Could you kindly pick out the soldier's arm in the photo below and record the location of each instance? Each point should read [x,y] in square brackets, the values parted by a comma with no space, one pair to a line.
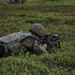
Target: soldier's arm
[31,44]
[39,49]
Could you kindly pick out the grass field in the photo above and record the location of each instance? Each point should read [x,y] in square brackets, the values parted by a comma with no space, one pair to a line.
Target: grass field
[57,17]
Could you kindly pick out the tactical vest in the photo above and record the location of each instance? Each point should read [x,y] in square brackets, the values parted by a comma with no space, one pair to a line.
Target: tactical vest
[12,42]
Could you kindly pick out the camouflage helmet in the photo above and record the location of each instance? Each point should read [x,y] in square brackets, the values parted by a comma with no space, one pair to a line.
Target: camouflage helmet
[38,29]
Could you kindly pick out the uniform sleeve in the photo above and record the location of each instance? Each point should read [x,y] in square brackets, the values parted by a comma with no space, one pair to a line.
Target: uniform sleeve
[27,44]
[33,45]
[38,49]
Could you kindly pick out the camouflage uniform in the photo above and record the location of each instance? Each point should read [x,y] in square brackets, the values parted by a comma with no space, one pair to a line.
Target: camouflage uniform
[21,42]
[13,1]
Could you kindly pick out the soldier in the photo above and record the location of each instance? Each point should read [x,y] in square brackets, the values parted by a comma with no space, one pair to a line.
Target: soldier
[22,42]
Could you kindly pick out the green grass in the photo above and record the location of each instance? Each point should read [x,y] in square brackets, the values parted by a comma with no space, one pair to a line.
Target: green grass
[57,17]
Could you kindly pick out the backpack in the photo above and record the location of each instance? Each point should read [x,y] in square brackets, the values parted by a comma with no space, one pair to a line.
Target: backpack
[12,42]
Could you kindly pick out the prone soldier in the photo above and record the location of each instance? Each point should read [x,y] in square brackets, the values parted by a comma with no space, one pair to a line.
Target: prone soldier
[22,42]
[34,41]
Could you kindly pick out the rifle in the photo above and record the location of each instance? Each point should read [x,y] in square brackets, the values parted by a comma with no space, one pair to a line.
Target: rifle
[52,41]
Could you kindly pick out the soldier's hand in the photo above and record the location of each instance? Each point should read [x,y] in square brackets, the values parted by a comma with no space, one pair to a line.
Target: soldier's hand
[44,46]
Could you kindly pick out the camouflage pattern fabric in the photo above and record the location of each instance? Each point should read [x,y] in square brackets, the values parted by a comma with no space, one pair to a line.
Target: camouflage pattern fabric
[11,43]
[33,45]
[38,29]
[20,42]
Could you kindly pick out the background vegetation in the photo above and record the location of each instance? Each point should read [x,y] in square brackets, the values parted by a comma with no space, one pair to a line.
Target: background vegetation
[58,17]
